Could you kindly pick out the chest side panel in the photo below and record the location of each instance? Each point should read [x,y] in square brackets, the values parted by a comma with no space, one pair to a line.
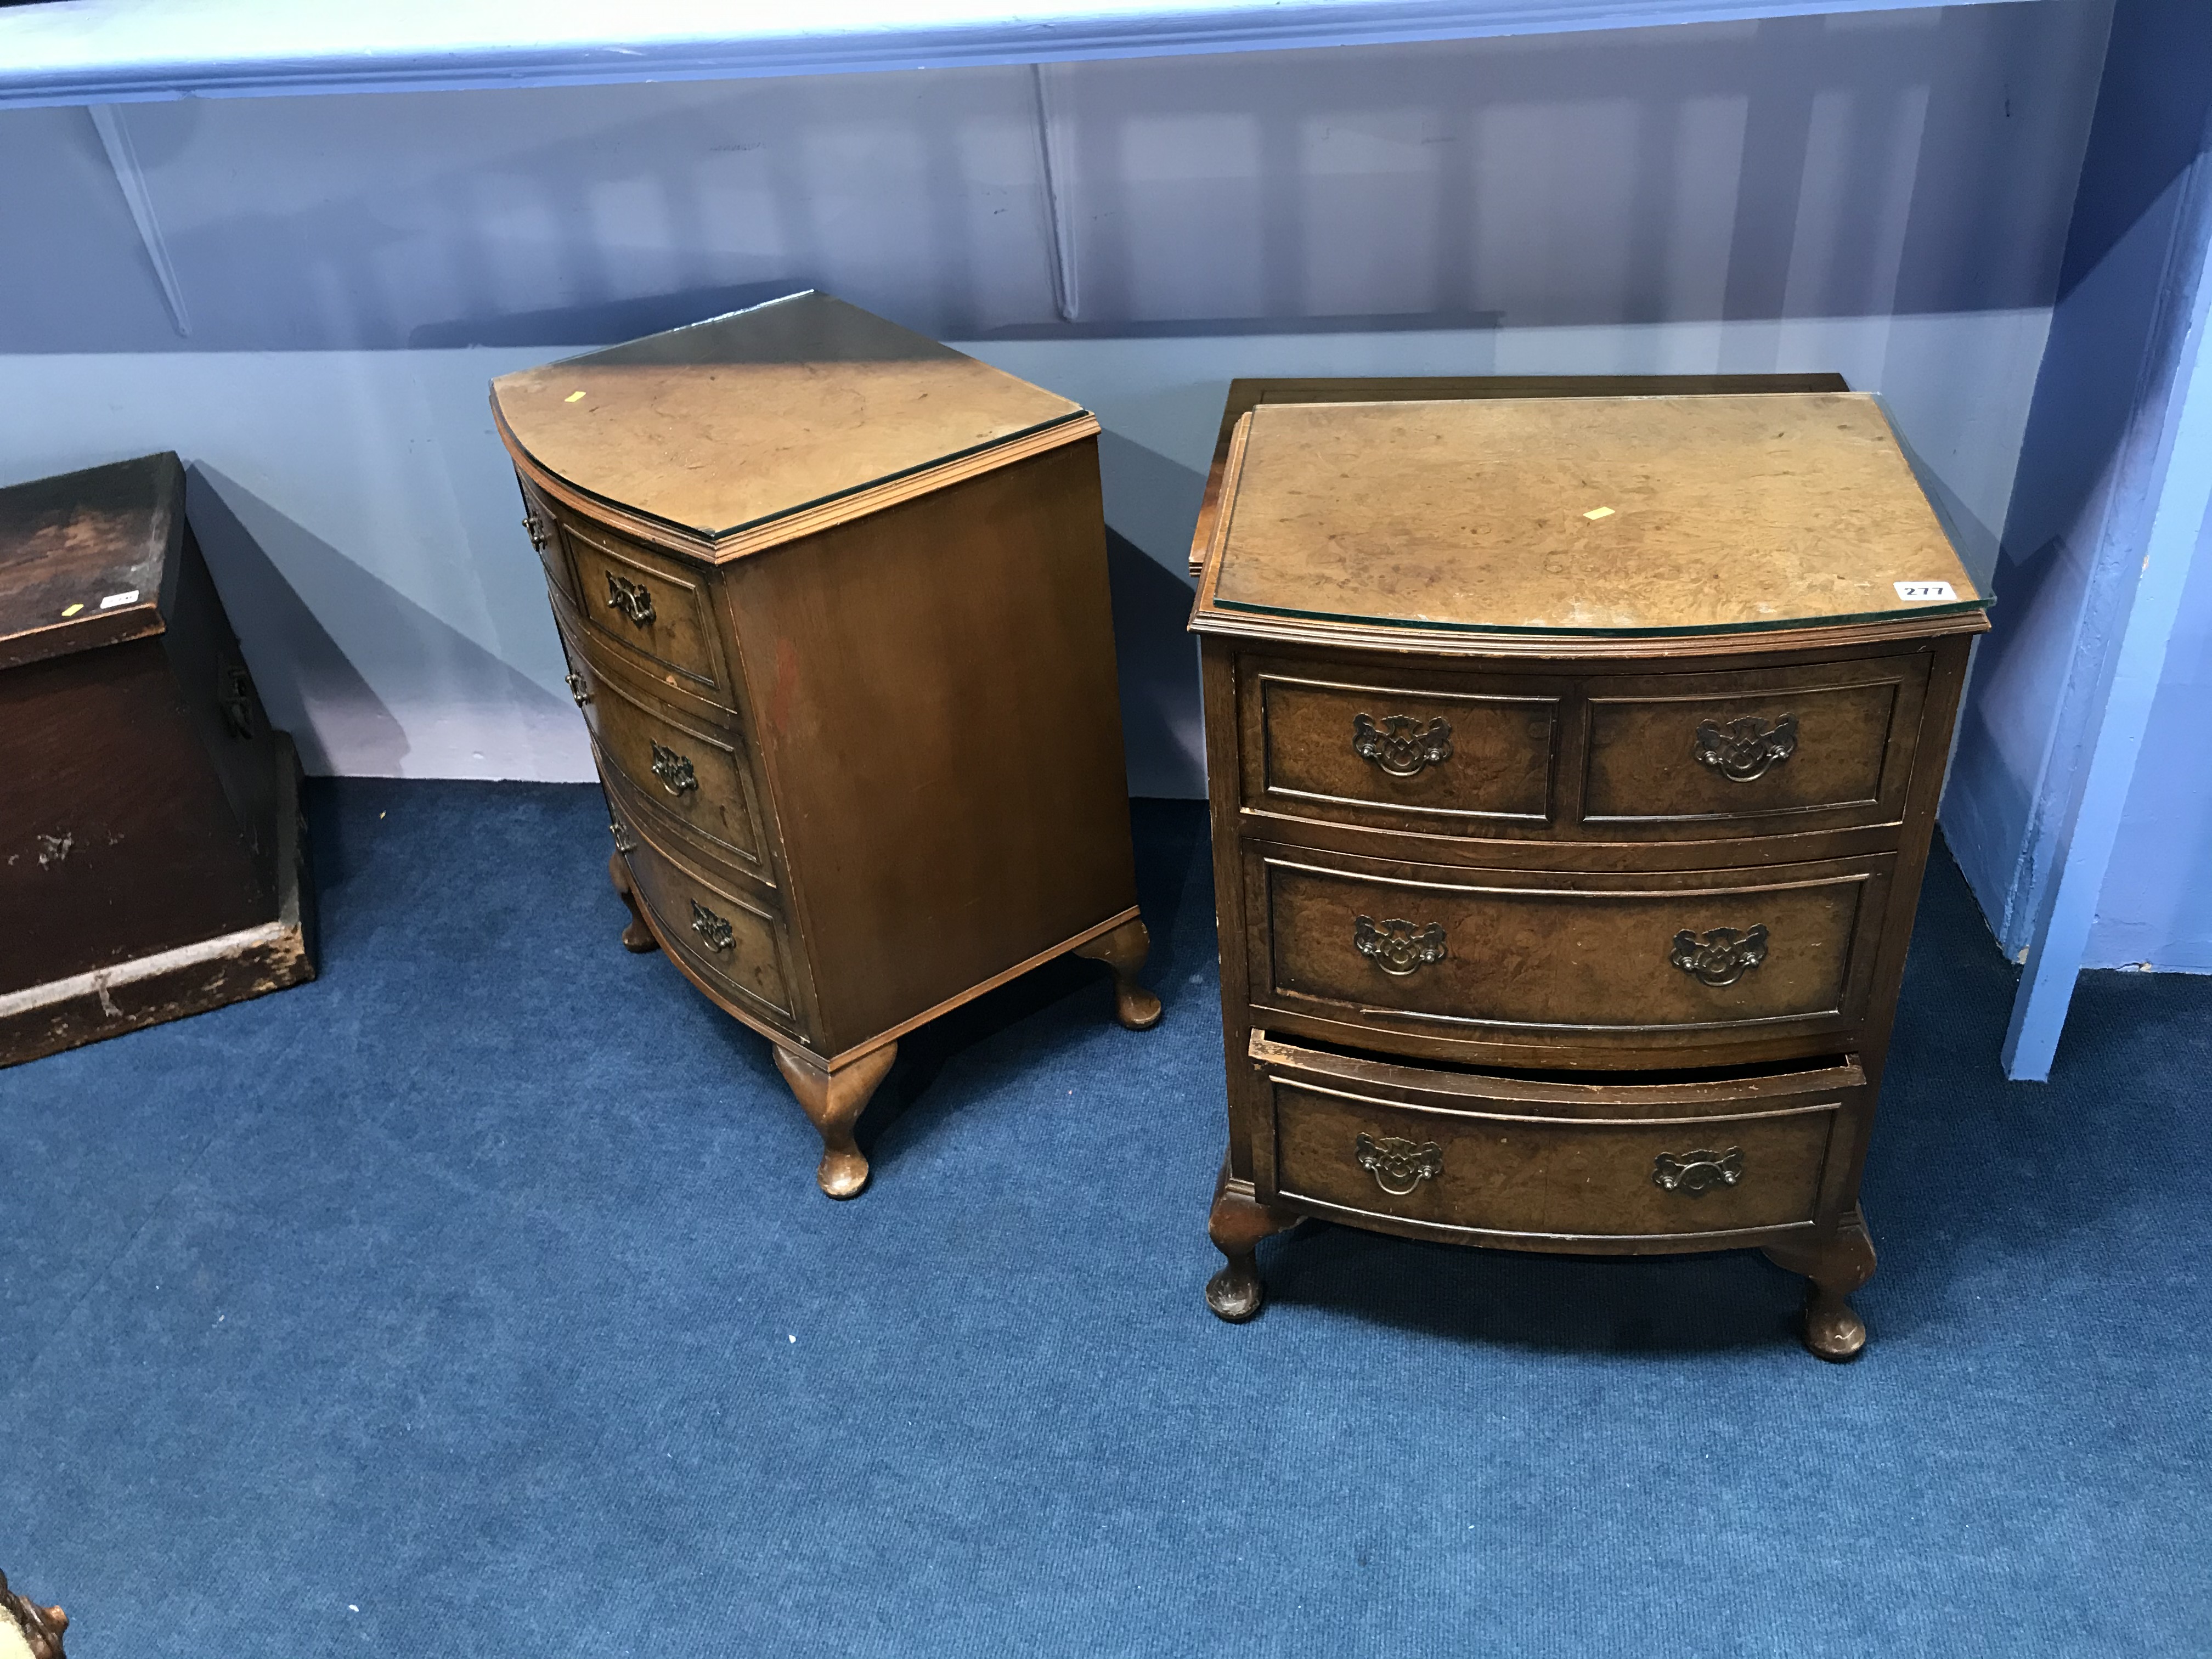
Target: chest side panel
[935,691]
[116,839]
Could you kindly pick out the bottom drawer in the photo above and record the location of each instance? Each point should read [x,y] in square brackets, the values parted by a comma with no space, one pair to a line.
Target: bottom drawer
[734,944]
[1448,1153]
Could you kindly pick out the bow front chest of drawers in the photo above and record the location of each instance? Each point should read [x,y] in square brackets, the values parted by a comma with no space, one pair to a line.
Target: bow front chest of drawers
[1573,763]
[834,601]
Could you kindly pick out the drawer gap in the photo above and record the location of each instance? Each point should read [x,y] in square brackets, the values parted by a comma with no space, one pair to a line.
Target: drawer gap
[1586,1075]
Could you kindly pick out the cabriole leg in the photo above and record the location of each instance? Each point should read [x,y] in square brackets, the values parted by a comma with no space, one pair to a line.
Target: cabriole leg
[1124,950]
[637,936]
[1833,1267]
[1238,1224]
[833,1102]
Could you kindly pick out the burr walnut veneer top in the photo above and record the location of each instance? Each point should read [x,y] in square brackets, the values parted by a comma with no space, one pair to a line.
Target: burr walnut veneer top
[730,424]
[1577,516]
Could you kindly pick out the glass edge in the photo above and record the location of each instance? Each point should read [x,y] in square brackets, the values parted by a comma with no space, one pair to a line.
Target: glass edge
[1520,630]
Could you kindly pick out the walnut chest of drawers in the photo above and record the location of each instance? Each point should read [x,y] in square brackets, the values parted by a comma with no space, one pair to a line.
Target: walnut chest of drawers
[1573,764]
[833,601]
[151,860]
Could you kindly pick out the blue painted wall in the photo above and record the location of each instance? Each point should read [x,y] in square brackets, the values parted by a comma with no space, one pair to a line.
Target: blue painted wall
[2085,459]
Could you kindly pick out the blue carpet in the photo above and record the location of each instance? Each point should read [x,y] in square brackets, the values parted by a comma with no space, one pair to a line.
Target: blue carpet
[476,1300]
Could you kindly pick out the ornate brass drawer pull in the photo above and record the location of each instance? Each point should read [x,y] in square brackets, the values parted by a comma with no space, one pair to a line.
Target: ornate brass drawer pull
[1397,946]
[1720,956]
[674,770]
[624,842]
[630,597]
[576,689]
[1696,1174]
[711,928]
[1744,749]
[1402,745]
[534,527]
[1398,1166]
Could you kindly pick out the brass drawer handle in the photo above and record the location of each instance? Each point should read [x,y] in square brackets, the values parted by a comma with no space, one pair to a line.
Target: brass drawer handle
[534,527]
[1397,947]
[1745,748]
[711,928]
[674,770]
[1722,956]
[1402,745]
[630,599]
[1398,1166]
[625,842]
[1696,1174]
[575,683]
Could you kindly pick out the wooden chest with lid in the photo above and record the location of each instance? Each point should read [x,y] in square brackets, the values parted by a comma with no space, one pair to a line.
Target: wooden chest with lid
[152,863]
[1573,763]
[833,601]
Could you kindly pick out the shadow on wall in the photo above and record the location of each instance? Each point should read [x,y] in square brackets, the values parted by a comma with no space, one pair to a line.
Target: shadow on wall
[1156,661]
[279,580]
[2069,549]
[305,680]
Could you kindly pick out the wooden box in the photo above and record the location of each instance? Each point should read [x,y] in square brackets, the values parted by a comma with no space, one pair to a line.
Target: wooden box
[151,856]
[1573,763]
[833,601]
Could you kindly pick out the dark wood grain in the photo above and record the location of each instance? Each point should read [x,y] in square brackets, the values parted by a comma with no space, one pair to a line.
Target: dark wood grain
[1538,875]
[151,862]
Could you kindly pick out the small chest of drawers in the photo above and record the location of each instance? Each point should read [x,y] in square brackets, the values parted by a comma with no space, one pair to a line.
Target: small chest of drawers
[834,602]
[1573,763]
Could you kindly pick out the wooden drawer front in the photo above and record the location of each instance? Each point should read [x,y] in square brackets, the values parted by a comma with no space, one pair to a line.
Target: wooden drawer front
[650,606]
[703,780]
[1437,949]
[737,946]
[1488,1167]
[1753,753]
[1441,761]
[540,524]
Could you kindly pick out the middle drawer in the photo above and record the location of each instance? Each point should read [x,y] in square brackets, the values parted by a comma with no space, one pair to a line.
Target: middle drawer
[701,778]
[1676,960]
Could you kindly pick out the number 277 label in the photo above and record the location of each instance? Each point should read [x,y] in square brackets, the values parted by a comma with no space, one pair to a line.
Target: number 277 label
[1924,591]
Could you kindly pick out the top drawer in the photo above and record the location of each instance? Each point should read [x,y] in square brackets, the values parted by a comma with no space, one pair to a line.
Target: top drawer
[1439,751]
[1752,752]
[653,607]
[544,529]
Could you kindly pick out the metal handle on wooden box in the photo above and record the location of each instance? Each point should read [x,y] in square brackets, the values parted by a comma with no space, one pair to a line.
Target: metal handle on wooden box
[1744,749]
[1397,946]
[1398,1166]
[534,527]
[630,599]
[1720,955]
[575,683]
[1401,745]
[1695,1174]
[711,927]
[674,770]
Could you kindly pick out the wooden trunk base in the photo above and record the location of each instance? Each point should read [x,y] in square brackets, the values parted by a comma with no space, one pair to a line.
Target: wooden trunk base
[190,979]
